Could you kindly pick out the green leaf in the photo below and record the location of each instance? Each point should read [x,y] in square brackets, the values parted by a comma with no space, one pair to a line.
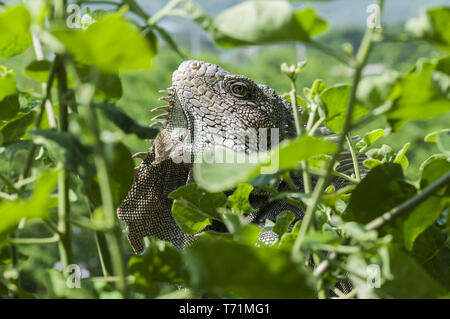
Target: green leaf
[193,208]
[408,227]
[239,228]
[374,90]
[126,123]
[433,26]
[400,158]
[110,44]
[419,219]
[122,172]
[431,252]
[216,176]
[257,22]
[65,147]
[443,141]
[419,94]
[410,279]
[238,201]
[15,37]
[35,207]
[429,244]
[432,169]
[16,127]
[336,99]
[9,107]
[284,220]
[38,70]
[160,263]
[7,82]
[370,138]
[108,86]
[432,137]
[246,271]
[381,190]
[189,219]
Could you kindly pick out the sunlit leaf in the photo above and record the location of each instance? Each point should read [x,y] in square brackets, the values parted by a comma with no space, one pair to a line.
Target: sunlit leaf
[193,208]
[256,22]
[219,176]
[15,37]
[7,82]
[417,95]
[432,25]
[336,102]
[110,44]
[35,207]
[284,220]
[238,201]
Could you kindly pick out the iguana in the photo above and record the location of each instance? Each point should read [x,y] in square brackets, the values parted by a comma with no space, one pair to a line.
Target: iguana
[206,105]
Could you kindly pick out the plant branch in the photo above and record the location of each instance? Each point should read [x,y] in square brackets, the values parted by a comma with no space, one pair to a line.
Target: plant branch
[331,52]
[354,158]
[63,175]
[400,210]
[86,92]
[361,60]
[34,241]
[40,56]
[408,205]
[10,185]
[37,122]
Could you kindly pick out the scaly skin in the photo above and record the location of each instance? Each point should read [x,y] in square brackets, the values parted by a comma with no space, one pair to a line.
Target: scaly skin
[208,107]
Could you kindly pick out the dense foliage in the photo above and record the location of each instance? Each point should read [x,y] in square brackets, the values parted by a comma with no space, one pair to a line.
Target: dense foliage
[72,107]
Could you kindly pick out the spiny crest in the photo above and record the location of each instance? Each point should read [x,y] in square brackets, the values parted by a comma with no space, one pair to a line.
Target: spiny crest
[161,119]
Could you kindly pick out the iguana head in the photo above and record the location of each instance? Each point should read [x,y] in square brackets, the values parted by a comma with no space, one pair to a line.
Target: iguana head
[209,106]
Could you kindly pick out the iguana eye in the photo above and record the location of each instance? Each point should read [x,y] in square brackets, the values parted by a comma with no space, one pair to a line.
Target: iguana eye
[239,89]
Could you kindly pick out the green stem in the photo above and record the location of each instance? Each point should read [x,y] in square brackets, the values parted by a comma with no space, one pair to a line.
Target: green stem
[37,121]
[349,178]
[320,283]
[136,9]
[400,210]
[322,183]
[102,248]
[34,241]
[330,52]
[354,158]
[10,185]
[86,92]
[64,244]
[163,12]
[98,2]
[296,113]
